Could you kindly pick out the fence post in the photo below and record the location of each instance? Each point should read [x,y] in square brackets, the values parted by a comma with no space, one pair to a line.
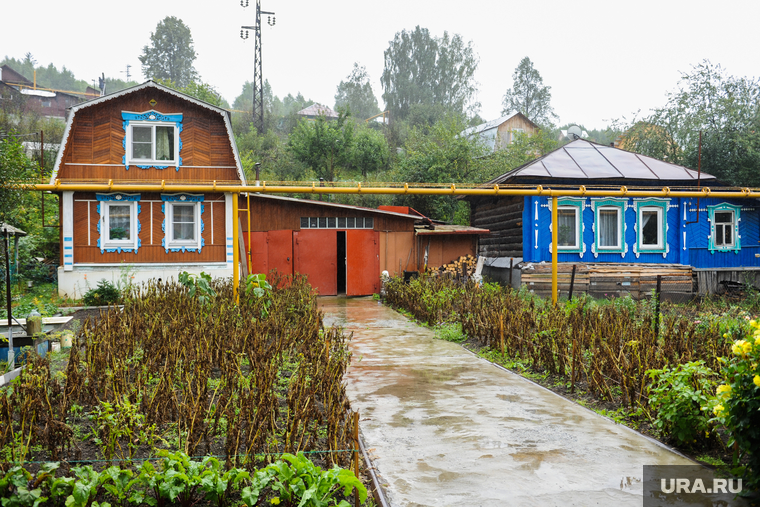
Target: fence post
[510,273]
[356,455]
[572,282]
[657,306]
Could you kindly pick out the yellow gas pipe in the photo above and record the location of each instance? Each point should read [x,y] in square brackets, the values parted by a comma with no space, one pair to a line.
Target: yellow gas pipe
[496,190]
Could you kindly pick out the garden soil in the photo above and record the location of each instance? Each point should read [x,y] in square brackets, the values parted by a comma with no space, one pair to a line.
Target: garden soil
[446,428]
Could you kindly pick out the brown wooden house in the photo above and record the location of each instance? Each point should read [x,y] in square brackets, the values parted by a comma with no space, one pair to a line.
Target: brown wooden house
[147,133]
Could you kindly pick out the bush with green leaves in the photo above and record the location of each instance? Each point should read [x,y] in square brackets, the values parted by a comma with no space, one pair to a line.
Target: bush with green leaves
[737,404]
[199,286]
[677,396]
[105,293]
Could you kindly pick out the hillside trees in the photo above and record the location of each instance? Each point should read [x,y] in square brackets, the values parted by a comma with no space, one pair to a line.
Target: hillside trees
[170,54]
[727,112]
[355,93]
[423,69]
[529,95]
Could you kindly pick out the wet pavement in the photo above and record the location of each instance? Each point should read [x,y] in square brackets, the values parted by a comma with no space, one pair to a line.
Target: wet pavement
[446,428]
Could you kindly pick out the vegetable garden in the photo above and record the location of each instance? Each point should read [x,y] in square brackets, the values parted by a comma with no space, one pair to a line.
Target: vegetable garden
[660,374]
[209,385]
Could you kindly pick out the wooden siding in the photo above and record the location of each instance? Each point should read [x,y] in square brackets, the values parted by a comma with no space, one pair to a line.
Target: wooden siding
[273,214]
[504,218]
[397,252]
[86,233]
[445,249]
[97,135]
[505,132]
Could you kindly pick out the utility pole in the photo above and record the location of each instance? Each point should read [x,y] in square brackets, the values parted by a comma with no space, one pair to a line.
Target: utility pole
[258,81]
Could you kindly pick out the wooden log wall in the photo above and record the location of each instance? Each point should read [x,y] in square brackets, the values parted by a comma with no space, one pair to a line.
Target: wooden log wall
[503,217]
[611,280]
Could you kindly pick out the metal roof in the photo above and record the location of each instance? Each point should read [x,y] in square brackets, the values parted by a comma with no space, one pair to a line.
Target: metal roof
[581,159]
[491,124]
[317,110]
[446,229]
[333,205]
[13,231]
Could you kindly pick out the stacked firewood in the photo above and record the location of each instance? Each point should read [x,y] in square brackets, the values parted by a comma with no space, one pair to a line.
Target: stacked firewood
[463,267]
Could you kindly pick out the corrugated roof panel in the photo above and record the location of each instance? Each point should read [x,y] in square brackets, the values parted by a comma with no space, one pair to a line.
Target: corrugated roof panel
[592,162]
[561,165]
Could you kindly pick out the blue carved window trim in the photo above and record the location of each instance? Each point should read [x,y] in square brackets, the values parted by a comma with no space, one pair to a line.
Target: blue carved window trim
[151,118]
[661,205]
[168,201]
[578,205]
[736,210]
[104,201]
[620,205]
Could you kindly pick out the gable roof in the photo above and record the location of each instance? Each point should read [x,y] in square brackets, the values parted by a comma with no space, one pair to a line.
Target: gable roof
[380,211]
[494,124]
[148,84]
[317,110]
[581,159]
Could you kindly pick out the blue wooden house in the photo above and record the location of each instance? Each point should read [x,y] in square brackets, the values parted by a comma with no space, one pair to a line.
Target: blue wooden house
[713,239]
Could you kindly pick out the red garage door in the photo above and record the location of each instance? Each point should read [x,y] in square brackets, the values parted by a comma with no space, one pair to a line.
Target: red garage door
[362,263]
[280,252]
[316,254]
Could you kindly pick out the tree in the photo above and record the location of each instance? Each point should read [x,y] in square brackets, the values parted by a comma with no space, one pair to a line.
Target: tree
[356,94]
[199,90]
[420,69]
[438,155]
[529,96]
[170,54]
[370,152]
[727,112]
[14,167]
[325,146]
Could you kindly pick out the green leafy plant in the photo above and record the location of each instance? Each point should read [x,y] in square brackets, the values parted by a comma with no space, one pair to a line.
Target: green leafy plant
[737,403]
[105,293]
[256,286]
[198,285]
[295,480]
[121,421]
[677,396]
[217,484]
[450,332]
[15,490]
[86,488]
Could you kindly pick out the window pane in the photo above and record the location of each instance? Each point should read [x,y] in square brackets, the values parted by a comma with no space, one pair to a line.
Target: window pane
[141,151]
[313,222]
[184,232]
[304,222]
[119,222]
[141,134]
[650,228]
[341,222]
[566,227]
[183,217]
[164,143]
[184,213]
[728,234]
[331,222]
[608,228]
[368,222]
[350,222]
[724,217]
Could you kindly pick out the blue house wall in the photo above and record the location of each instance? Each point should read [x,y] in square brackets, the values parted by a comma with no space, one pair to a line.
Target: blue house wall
[692,249]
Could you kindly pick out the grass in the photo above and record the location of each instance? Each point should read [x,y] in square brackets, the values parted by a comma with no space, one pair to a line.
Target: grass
[41,297]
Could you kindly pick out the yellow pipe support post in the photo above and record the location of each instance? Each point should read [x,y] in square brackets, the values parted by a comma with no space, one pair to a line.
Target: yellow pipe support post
[554,250]
[250,246]
[235,249]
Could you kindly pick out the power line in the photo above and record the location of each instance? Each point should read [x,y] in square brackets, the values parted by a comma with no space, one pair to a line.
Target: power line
[257,108]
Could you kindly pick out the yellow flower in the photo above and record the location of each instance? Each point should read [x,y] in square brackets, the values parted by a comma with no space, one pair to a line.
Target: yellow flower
[753,323]
[738,347]
[723,389]
[275,501]
[746,347]
[725,335]
[718,410]
[756,380]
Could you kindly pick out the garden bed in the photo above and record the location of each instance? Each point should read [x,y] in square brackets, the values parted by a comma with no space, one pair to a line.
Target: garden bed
[188,371]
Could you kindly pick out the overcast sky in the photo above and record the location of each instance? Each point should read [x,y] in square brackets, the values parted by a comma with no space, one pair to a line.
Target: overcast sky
[602,59]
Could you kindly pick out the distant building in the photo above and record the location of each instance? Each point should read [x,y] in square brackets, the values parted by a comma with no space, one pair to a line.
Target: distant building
[315,110]
[46,102]
[499,133]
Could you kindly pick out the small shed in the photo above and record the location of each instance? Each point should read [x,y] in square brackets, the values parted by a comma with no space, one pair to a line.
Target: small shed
[499,133]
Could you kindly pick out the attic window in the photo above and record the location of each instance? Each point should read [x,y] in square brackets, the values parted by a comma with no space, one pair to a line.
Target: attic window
[152,139]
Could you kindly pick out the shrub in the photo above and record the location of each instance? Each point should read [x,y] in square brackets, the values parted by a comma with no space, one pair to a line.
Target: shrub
[678,395]
[105,293]
[737,402]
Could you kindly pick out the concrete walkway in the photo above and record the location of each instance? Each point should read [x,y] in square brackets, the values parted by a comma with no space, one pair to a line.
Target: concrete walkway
[446,428]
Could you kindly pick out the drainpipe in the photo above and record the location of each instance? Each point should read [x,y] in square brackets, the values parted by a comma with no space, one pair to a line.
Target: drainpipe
[699,178]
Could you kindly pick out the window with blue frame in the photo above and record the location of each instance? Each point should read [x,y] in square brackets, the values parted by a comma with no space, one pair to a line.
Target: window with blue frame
[651,226]
[609,226]
[152,139]
[724,228]
[118,225]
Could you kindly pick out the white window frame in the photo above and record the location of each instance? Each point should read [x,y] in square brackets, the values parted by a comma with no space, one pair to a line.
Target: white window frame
[131,160]
[620,232]
[578,225]
[723,225]
[105,242]
[660,245]
[179,243]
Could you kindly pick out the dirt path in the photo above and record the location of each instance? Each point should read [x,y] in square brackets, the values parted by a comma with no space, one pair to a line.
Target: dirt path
[446,428]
